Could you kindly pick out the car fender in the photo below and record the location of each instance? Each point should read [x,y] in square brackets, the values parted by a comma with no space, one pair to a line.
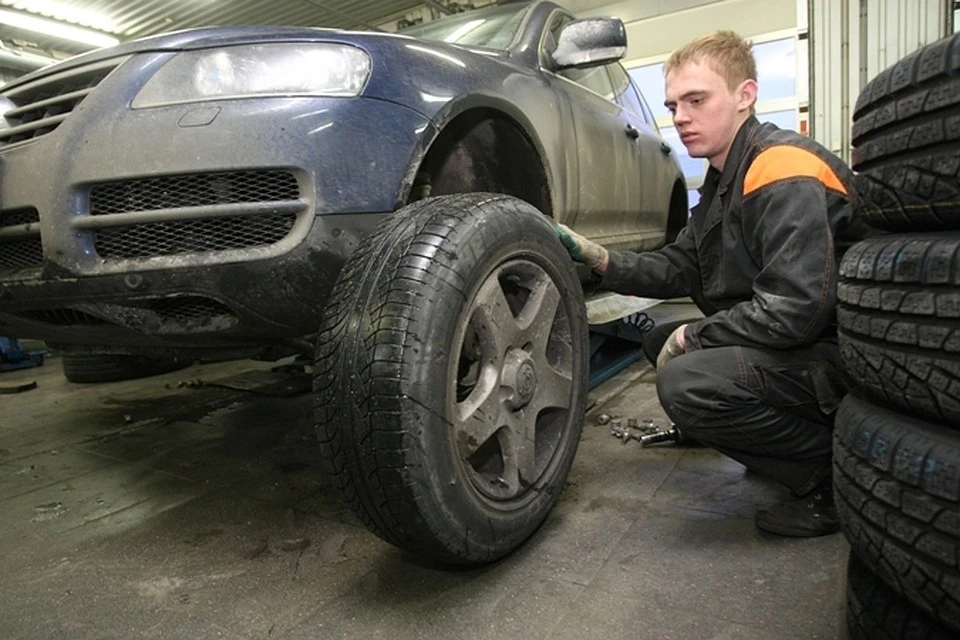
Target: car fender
[470,102]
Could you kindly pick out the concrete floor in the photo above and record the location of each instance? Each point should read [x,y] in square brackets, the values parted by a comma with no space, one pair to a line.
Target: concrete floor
[154,509]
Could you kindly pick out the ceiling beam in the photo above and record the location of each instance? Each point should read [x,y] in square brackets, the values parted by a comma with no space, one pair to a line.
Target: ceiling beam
[60,29]
[337,12]
[439,7]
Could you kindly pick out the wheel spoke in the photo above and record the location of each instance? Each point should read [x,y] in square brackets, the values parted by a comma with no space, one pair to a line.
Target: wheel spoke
[493,319]
[535,321]
[554,389]
[519,471]
[481,414]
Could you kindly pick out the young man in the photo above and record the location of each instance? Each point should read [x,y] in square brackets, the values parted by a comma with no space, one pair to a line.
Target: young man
[757,378]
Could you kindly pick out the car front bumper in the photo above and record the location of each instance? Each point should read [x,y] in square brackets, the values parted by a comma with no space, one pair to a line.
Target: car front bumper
[197,224]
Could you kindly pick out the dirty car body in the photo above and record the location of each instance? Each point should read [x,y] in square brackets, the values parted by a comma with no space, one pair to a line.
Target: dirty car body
[201,190]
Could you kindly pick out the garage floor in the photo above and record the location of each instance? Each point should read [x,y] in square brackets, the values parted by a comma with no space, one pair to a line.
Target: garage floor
[168,508]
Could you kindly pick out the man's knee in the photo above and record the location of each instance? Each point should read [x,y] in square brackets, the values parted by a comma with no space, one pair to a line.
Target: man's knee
[674,381]
[698,396]
[702,382]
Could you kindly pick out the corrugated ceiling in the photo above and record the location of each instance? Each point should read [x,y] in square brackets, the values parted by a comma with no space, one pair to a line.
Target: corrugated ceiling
[127,19]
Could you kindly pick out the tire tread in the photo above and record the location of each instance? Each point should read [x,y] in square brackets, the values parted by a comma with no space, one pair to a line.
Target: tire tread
[905,132]
[899,317]
[896,478]
[877,612]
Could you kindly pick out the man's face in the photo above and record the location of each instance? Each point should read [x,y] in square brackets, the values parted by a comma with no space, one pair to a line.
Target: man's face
[706,113]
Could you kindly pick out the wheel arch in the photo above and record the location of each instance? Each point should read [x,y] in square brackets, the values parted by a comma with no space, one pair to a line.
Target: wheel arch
[481,143]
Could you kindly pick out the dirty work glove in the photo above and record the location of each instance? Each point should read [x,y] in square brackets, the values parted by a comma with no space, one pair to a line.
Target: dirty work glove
[581,249]
[673,347]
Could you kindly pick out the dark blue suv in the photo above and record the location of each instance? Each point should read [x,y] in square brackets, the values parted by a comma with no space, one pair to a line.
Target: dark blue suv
[200,193]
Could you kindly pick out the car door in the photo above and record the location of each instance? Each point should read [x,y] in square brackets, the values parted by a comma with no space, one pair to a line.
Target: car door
[655,166]
[605,159]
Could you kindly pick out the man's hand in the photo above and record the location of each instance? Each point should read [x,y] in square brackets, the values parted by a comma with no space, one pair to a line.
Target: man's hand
[581,249]
[673,347]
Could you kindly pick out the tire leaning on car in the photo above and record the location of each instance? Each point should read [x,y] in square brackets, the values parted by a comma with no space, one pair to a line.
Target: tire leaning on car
[451,376]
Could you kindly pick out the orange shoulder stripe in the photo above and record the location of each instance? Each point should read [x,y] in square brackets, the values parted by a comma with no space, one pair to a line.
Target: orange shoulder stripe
[782,162]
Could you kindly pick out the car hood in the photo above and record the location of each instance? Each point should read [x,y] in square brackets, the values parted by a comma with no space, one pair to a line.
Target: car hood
[210,37]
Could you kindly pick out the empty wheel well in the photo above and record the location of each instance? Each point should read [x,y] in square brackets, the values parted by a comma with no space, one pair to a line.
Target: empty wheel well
[483,150]
[679,211]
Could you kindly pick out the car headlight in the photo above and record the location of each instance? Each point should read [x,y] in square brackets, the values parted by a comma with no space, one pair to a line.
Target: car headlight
[285,69]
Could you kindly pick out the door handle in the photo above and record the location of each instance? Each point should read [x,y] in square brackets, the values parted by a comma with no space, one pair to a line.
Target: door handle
[632,132]
[665,148]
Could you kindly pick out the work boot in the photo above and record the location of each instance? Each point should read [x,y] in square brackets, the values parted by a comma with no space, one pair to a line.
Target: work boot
[803,517]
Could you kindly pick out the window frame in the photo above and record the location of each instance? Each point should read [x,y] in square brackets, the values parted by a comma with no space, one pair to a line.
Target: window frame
[543,53]
[631,88]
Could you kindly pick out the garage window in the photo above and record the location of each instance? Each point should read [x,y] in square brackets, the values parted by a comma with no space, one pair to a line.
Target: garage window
[785,119]
[776,69]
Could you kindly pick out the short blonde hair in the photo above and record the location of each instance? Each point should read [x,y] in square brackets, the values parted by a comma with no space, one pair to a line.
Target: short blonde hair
[726,52]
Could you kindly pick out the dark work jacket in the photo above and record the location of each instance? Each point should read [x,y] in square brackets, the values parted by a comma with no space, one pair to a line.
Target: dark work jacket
[759,255]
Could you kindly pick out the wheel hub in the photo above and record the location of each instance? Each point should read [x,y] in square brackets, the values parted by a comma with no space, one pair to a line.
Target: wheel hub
[520,378]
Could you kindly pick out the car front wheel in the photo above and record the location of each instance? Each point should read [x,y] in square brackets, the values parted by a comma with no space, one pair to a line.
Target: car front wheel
[450,376]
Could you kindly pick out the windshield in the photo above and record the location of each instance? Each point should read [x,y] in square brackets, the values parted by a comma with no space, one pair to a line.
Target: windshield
[493,28]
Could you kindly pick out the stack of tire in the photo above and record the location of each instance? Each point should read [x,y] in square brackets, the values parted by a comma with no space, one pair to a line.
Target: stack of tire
[897,435]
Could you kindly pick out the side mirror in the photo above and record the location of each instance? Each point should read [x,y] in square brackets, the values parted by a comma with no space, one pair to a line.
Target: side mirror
[590,42]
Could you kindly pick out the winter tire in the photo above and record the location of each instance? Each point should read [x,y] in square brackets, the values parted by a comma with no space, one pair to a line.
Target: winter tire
[897,483]
[450,376]
[899,315]
[906,128]
[108,367]
[877,612]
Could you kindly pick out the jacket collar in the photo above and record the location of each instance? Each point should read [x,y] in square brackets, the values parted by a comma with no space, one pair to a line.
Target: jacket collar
[740,143]
[710,211]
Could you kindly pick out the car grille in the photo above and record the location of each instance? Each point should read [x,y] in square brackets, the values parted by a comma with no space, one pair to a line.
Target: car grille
[63,317]
[197,190]
[19,249]
[192,236]
[201,228]
[42,105]
[163,314]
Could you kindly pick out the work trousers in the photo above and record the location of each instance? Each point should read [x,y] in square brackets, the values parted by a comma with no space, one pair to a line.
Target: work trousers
[771,410]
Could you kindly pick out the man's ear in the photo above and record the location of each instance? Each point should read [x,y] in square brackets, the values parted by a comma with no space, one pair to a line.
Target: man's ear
[747,96]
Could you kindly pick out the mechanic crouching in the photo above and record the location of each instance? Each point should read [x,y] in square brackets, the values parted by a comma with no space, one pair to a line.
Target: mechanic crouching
[758,377]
